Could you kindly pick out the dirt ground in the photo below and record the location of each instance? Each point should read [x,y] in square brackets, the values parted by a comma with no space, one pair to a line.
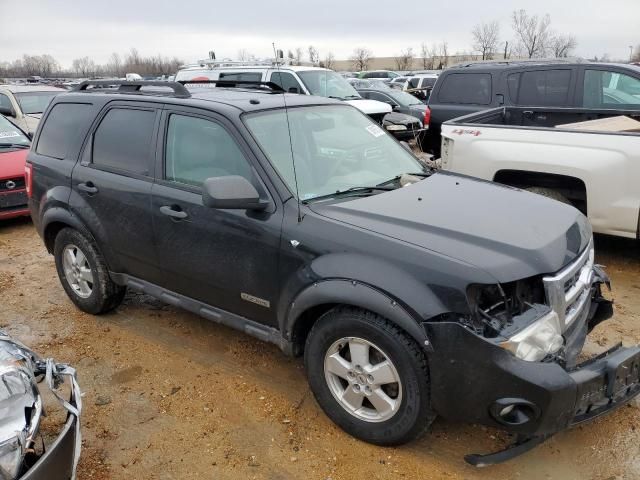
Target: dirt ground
[169,395]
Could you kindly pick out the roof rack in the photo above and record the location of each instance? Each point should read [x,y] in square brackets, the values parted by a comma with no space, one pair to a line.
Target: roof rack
[212,63]
[128,86]
[229,83]
[479,63]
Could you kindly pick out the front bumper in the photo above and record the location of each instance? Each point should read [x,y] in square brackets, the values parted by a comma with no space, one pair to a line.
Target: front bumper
[13,204]
[473,379]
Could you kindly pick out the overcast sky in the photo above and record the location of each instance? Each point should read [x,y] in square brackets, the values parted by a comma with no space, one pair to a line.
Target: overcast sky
[69,29]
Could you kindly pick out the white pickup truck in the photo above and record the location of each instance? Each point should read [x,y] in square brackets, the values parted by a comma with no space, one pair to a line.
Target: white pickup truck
[596,171]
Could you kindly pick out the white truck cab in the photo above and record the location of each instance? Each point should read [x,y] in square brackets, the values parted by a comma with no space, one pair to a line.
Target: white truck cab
[293,79]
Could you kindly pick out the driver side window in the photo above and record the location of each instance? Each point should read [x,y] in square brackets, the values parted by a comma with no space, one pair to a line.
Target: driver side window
[606,89]
[197,149]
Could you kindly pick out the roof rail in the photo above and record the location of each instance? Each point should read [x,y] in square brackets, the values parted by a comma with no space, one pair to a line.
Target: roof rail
[128,86]
[230,83]
[520,61]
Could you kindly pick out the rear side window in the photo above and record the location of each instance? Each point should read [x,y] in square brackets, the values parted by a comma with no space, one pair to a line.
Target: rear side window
[286,80]
[466,88]
[545,88]
[61,128]
[122,141]
[242,76]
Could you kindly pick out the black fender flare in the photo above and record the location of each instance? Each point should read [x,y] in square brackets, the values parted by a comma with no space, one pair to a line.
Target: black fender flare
[60,215]
[357,294]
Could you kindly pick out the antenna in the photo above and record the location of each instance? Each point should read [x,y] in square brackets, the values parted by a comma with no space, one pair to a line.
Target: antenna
[279,55]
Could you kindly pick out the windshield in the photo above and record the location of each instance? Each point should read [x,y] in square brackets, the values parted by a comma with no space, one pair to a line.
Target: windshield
[404,98]
[327,83]
[335,148]
[10,134]
[35,102]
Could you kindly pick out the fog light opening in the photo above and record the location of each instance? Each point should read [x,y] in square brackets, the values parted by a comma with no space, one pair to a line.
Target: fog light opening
[511,411]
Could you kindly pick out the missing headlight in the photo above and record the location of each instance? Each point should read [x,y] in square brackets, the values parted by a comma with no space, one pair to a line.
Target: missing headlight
[494,307]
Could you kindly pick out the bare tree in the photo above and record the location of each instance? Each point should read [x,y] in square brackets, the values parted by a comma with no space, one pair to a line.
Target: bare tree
[114,65]
[635,57]
[404,61]
[485,38]
[424,54]
[443,52]
[329,61]
[361,58]
[532,32]
[298,56]
[562,45]
[244,55]
[314,56]
[83,67]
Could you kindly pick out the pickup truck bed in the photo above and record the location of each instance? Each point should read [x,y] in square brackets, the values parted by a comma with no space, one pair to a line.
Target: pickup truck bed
[598,172]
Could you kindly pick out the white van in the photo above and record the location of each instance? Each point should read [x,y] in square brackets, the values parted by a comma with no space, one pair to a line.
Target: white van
[293,79]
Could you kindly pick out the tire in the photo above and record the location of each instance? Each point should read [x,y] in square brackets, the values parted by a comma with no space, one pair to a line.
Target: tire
[355,329]
[86,282]
[550,193]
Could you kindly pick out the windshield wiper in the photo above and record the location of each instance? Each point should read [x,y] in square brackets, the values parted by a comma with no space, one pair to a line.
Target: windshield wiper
[353,96]
[13,145]
[351,190]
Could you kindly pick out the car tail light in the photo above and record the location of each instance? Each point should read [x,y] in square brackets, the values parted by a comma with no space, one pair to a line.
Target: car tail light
[427,117]
[28,178]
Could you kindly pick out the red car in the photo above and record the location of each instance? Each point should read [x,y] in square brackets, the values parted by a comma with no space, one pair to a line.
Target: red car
[14,146]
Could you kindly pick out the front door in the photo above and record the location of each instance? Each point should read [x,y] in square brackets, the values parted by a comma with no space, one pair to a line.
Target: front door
[222,257]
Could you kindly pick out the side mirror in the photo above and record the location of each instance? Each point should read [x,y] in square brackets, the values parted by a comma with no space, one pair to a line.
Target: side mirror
[7,111]
[232,192]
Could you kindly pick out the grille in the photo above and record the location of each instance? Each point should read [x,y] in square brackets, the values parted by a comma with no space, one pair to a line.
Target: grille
[10,201]
[569,291]
[17,183]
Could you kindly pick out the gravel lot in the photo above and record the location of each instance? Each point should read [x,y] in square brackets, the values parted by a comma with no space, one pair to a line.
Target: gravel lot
[172,396]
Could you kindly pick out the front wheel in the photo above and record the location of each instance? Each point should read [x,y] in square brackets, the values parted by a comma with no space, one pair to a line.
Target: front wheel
[368,376]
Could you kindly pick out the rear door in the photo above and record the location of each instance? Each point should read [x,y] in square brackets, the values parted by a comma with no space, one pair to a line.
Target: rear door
[111,186]
[222,257]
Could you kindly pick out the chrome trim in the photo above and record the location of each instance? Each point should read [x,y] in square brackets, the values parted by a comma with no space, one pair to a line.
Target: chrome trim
[568,304]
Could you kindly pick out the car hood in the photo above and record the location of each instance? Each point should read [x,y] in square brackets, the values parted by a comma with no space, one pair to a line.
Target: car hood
[12,162]
[370,107]
[508,233]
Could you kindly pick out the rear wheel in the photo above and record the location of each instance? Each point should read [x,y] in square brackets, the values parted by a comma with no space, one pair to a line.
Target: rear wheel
[368,376]
[549,193]
[84,274]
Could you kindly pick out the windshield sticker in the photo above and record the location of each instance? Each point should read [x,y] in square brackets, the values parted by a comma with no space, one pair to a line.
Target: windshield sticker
[375,130]
[10,134]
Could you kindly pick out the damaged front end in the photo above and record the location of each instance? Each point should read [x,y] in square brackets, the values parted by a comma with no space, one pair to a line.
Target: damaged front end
[516,358]
[21,412]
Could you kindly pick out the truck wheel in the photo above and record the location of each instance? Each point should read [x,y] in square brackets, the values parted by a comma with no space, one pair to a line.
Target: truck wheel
[84,274]
[549,193]
[368,376]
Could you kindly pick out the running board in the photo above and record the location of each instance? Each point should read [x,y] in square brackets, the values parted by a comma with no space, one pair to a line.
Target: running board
[217,315]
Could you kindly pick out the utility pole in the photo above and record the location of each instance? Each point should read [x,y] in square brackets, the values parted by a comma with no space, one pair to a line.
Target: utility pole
[506,49]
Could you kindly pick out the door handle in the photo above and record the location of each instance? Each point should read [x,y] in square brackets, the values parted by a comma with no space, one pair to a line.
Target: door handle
[88,187]
[171,211]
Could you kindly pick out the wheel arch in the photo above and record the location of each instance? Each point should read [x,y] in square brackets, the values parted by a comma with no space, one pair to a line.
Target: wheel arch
[54,220]
[312,302]
[572,187]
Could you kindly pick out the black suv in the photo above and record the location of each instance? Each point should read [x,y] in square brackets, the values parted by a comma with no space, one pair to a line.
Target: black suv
[410,294]
[473,87]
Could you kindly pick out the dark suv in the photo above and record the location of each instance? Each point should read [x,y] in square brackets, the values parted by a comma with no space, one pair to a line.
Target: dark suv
[473,87]
[410,294]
